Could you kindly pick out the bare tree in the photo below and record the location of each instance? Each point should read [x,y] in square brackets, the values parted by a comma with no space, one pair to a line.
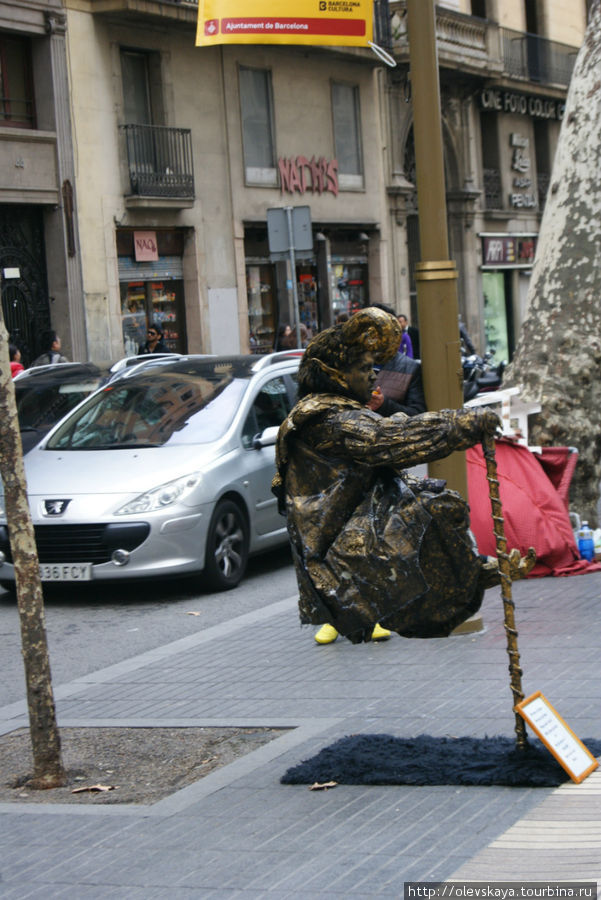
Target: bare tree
[558,358]
[48,769]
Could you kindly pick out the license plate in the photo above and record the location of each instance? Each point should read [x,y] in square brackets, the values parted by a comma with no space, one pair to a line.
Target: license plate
[66,572]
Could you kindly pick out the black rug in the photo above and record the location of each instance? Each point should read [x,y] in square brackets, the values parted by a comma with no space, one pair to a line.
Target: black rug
[384,759]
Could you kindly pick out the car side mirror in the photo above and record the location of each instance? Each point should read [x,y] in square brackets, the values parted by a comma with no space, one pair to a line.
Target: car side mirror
[267,438]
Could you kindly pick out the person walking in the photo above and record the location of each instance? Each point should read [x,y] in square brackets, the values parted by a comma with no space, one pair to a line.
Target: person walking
[16,365]
[52,353]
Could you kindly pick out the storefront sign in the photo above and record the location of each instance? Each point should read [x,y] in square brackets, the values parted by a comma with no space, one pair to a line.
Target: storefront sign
[520,198]
[145,246]
[508,251]
[331,22]
[521,104]
[302,174]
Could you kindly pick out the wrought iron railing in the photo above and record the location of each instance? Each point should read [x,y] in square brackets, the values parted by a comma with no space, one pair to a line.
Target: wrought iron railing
[536,58]
[543,180]
[159,161]
[493,189]
[382,25]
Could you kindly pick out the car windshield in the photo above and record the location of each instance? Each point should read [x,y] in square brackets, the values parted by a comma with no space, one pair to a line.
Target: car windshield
[183,403]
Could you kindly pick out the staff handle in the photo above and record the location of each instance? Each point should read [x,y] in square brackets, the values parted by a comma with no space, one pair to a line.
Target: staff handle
[515,672]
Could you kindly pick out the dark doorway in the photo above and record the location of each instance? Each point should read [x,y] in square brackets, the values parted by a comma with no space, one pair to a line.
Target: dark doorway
[25,305]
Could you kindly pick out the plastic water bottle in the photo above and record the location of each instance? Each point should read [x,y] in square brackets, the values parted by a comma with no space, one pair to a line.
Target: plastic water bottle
[586,544]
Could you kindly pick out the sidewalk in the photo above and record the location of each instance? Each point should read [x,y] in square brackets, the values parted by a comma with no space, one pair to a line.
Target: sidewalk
[240,833]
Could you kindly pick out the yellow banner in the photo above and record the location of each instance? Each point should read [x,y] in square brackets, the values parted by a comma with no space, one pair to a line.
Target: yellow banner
[331,22]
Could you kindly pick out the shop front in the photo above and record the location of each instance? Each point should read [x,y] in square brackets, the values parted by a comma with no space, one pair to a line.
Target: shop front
[506,259]
[151,285]
[332,279]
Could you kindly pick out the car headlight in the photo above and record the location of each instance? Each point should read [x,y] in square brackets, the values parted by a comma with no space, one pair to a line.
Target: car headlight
[162,496]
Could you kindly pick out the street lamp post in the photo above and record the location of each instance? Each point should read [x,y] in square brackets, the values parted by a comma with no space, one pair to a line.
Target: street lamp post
[436,275]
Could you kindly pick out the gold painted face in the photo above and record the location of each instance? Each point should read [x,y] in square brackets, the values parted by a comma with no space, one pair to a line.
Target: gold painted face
[360,377]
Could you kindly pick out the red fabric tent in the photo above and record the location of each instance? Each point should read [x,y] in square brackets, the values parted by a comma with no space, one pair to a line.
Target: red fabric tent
[535,513]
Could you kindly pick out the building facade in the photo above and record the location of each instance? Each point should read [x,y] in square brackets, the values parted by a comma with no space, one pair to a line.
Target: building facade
[40,264]
[148,180]
[181,151]
[505,67]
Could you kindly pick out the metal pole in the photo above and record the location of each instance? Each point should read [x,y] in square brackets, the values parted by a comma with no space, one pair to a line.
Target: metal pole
[515,672]
[436,275]
[293,268]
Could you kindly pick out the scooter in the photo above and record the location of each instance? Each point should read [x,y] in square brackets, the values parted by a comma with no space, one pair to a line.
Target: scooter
[479,375]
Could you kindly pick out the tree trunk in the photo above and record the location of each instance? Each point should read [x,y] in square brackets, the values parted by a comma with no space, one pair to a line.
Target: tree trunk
[45,740]
[558,358]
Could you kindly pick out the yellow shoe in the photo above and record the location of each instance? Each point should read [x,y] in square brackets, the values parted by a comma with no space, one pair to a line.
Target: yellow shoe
[327,634]
[379,633]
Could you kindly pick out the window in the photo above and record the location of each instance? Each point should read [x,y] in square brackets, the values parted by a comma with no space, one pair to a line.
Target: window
[347,135]
[256,106]
[271,406]
[16,87]
[491,170]
[142,87]
[136,88]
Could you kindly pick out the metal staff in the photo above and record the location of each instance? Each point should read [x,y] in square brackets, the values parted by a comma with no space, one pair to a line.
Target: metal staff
[488,446]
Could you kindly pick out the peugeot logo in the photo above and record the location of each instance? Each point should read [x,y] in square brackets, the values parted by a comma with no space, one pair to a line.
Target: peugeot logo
[55,507]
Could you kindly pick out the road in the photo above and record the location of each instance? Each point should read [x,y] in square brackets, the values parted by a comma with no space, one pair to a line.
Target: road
[93,627]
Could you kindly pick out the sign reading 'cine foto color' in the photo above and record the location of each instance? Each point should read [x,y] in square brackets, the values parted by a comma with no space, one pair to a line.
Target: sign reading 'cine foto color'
[332,22]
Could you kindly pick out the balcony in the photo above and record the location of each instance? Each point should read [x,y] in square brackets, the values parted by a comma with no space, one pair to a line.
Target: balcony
[159,161]
[534,58]
[471,45]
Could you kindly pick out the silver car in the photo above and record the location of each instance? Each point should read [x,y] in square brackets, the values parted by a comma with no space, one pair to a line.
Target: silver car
[164,471]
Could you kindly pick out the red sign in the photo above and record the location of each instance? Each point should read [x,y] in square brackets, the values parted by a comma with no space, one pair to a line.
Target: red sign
[511,251]
[302,174]
[145,246]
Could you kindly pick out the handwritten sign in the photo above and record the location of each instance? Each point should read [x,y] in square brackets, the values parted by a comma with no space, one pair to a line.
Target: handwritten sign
[557,736]
[145,246]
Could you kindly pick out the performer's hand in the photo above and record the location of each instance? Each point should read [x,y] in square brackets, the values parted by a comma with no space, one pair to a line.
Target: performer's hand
[490,423]
[376,400]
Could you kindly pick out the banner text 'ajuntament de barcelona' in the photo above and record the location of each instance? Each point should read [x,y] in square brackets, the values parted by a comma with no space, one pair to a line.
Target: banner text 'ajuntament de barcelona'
[332,22]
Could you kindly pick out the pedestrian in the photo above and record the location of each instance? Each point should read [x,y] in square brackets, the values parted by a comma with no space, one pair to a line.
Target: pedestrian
[155,342]
[370,542]
[285,338]
[16,365]
[413,333]
[51,356]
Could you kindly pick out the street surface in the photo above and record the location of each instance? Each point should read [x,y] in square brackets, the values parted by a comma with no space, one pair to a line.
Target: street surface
[91,627]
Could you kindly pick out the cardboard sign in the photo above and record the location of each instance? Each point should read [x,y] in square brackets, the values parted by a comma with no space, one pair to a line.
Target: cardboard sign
[557,736]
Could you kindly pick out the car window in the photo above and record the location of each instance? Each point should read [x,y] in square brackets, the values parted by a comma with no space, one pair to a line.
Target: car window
[153,409]
[270,407]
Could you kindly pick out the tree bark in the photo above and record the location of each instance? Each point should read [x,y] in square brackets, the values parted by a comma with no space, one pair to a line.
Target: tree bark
[558,357]
[45,739]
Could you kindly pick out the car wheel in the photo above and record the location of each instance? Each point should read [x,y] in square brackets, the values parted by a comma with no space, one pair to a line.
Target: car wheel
[9,586]
[227,547]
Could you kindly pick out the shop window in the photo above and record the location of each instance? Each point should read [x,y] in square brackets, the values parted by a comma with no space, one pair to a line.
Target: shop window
[498,314]
[347,135]
[147,302]
[16,85]
[261,307]
[256,105]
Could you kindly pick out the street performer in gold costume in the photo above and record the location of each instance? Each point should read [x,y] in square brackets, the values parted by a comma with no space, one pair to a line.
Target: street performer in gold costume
[370,542]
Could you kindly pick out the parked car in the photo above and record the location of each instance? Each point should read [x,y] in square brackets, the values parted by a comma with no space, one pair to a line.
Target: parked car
[45,394]
[165,471]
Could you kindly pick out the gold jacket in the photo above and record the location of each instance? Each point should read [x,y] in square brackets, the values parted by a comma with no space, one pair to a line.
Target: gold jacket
[370,542]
